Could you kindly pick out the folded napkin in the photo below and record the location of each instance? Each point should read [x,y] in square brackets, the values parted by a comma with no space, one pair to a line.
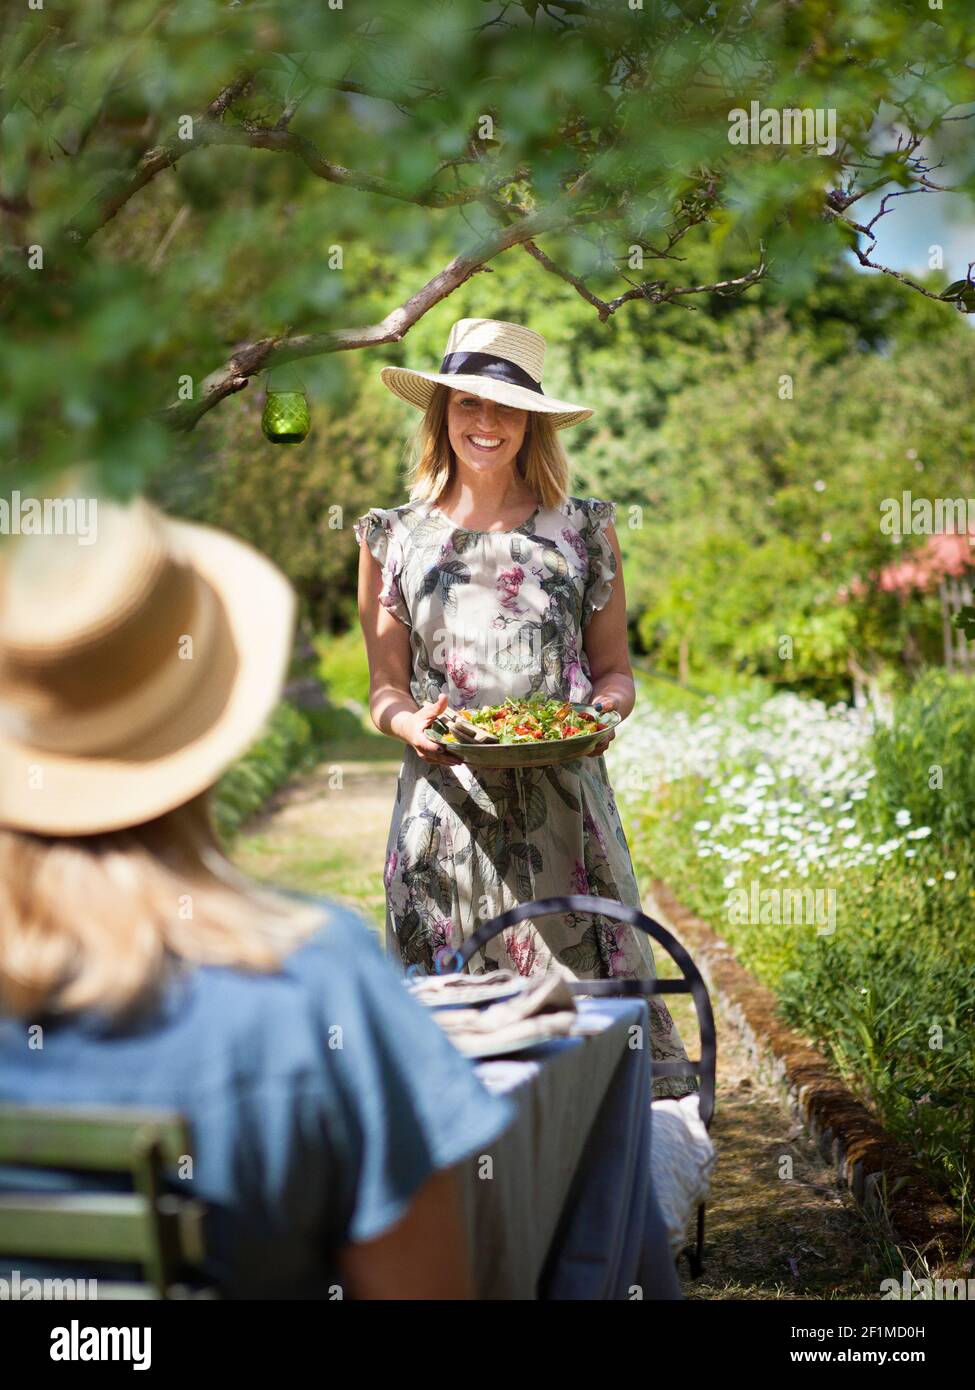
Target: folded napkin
[541,1009]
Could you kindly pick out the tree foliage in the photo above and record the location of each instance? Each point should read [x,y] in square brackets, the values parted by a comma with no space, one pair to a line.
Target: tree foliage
[180,182]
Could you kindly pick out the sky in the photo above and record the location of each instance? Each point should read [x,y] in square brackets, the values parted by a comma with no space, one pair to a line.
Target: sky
[918,221]
[915,223]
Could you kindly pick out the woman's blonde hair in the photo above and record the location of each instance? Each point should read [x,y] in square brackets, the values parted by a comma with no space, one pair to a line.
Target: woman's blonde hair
[541,460]
[101,921]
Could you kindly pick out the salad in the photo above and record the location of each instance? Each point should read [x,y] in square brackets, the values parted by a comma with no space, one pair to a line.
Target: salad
[532,720]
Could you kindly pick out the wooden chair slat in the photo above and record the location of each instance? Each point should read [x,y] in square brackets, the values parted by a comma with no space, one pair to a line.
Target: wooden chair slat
[85,1227]
[88,1138]
[105,1226]
[160,1231]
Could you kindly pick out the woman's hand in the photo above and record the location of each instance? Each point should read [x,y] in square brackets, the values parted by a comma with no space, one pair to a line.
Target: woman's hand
[413,733]
[603,704]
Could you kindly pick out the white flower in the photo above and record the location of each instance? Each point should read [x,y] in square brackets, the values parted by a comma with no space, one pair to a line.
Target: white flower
[950,874]
[702,825]
[903,818]
[930,882]
[845,823]
[921,833]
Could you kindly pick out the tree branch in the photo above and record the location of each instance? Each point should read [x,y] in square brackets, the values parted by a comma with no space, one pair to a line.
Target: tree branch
[208,132]
[286,141]
[251,358]
[864,256]
[654,291]
[101,208]
[578,285]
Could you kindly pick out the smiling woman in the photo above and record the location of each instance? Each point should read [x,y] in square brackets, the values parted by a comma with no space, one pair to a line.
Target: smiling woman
[493,584]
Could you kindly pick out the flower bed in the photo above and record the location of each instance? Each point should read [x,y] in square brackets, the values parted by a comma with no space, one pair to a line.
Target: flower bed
[768,821]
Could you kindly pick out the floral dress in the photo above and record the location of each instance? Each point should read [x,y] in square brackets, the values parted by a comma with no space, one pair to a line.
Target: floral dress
[494,614]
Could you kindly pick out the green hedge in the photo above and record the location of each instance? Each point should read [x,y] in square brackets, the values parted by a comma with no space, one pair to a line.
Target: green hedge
[289,743]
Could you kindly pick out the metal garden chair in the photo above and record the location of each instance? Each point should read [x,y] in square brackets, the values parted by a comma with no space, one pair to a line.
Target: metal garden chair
[148,1226]
[690,982]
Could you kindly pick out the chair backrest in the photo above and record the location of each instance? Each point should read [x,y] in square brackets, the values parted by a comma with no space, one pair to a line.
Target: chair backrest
[690,981]
[147,1226]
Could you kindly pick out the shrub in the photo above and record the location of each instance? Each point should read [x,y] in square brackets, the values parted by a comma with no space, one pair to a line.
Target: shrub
[931,739]
[893,1000]
[342,666]
[287,745]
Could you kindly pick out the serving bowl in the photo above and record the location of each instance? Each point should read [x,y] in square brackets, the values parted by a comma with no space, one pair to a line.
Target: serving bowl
[540,753]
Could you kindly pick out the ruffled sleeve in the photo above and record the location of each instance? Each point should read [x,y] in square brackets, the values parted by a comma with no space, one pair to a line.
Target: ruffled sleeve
[378,531]
[597,516]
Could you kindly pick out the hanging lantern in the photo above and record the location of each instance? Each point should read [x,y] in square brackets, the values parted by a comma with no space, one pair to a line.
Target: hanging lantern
[286,418]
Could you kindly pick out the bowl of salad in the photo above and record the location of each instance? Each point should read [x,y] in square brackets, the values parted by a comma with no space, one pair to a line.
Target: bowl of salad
[535,732]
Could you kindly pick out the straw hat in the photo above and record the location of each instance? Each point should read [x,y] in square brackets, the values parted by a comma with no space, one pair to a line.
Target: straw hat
[489,357]
[134,670]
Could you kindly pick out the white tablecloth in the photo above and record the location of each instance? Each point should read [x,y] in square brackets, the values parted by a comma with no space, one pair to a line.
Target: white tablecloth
[561,1206]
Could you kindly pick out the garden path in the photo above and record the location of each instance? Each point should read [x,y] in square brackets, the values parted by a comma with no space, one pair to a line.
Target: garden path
[767,1237]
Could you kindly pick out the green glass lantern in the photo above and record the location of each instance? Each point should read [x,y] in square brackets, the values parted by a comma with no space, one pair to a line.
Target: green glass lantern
[286,418]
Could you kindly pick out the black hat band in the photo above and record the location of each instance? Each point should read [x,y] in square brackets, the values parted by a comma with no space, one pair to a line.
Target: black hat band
[483,364]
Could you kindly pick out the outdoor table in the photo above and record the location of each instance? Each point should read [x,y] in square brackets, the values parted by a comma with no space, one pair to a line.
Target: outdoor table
[564,1209]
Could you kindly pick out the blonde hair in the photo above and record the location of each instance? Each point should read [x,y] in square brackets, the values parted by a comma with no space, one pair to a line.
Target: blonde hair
[541,460]
[101,921]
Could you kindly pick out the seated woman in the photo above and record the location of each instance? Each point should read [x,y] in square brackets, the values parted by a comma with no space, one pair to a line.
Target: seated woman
[328,1111]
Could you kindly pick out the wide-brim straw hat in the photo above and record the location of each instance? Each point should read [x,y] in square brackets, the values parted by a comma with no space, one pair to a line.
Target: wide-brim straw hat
[492,358]
[133,670]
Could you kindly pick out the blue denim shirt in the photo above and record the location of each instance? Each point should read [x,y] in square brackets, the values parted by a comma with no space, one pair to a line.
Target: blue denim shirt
[320,1099]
